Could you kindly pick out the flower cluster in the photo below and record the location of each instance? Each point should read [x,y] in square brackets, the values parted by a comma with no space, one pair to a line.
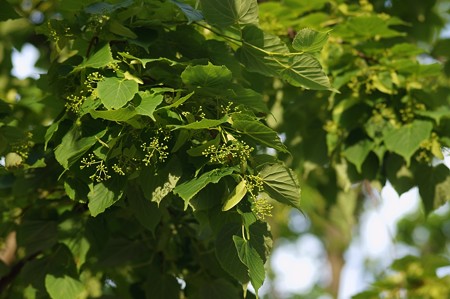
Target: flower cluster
[260,204]
[92,80]
[254,184]
[23,147]
[101,170]
[429,148]
[261,207]
[74,103]
[155,150]
[117,169]
[226,153]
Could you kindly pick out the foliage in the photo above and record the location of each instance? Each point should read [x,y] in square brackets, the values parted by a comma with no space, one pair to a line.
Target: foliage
[155,129]
[417,276]
[388,123]
[137,165]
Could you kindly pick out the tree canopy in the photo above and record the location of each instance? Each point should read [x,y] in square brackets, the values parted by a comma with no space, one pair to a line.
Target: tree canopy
[163,137]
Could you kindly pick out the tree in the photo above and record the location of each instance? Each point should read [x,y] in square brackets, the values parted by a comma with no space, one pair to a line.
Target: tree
[347,145]
[139,166]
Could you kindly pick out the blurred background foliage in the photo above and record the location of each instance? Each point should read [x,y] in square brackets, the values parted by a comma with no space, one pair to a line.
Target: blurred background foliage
[390,62]
[390,122]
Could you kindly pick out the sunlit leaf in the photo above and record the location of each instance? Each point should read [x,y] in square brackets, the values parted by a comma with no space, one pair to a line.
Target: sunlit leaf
[73,146]
[115,93]
[204,123]
[406,140]
[268,55]
[281,184]
[309,40]
[257,131]
[224,13]
[102,196]
[189,189]
[437,114]
[207,76]
[63,287]
[235,196]
[121,114]
[99,59]
[148,104]
[249,256]
[156,186]
[304,71]
[358,152]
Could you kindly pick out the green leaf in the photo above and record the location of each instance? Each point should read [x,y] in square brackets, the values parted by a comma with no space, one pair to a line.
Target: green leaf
[49,133]
[434,186]
[118,28]
[189,189]
[73,146]
[100,59]
[115,93]
[235,196]
[281,184]
[7,12]
[370,26]
[37,235]
[250,257]
[203,124]
[226,252]
[219,289]
[224,13]
[258,51]
[358,152]
[191,13]
[157,186]
[179,101]
[261,239]
[198,150]
[436,114]
[406,139]
[400,176]
[63,287]
[145,211]
[121,114]
[247,97]
[207,76]
[259,132]
[144,61]
[102,8]
[149,102]
[309,40]
[305,71]
[268,55]
[102,196]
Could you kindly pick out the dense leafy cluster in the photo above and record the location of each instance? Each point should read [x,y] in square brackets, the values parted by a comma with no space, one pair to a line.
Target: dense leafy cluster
[391,109]
[140,164]
[156,130]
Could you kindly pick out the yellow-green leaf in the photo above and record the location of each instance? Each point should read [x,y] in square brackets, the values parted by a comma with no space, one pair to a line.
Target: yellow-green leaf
[236,196]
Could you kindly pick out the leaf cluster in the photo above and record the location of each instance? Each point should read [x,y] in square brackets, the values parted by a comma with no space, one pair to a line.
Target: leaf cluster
[151,167]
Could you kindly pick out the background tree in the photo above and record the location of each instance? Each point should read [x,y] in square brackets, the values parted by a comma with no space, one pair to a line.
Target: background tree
[388,123]
[137,166]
